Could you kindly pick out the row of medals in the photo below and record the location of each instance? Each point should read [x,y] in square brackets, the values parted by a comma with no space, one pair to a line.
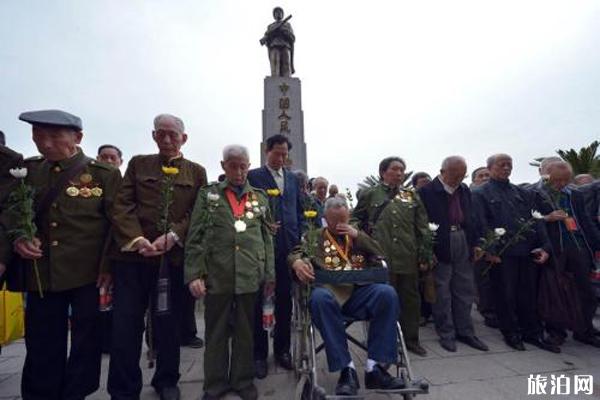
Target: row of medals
[84,191]
[251,209]
[334,263]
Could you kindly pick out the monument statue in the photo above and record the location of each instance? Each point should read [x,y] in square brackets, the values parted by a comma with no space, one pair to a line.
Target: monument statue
[280,39]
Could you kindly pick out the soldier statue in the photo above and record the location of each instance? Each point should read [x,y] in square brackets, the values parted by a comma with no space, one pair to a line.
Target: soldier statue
[280,39]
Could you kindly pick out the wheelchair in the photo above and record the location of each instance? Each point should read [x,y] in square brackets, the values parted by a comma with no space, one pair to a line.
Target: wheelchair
[305,348]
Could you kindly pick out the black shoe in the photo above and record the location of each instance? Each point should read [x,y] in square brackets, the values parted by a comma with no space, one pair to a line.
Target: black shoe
[248,393]
[285,361]
[589,339]
[491,322]
[170,393]
[194,343]
[542,344]
[474,342]
[260,369]
[417,349]
[348,383]
[379,378]
[208,396]
[515,342]
[448,345]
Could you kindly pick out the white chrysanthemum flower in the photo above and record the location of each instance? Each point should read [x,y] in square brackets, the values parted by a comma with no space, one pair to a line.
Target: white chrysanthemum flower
[500,231]
[536,214]
[213,196]
[18,173]
[433,227]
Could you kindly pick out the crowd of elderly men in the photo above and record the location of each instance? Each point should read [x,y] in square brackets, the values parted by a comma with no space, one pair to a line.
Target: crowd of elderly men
[161,236]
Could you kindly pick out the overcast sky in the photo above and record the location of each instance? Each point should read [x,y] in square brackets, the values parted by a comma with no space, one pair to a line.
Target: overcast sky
[418,79]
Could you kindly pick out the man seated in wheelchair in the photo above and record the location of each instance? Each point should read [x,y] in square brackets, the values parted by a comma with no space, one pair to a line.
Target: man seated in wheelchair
[341,248]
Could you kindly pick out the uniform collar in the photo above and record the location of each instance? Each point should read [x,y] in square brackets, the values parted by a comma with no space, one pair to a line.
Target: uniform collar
[67,162]
[170,161]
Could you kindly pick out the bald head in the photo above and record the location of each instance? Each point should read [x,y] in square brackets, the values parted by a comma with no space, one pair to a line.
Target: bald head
[454,169]
[583,179]
[560,174]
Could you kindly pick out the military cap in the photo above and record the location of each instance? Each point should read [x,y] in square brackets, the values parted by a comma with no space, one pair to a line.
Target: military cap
[52,117]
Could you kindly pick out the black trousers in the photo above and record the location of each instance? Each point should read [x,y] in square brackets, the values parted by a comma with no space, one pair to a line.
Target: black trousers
[188,329]
[283,314]
[48,373]
[514,284]
[134,287]
[485,292]
[578,261]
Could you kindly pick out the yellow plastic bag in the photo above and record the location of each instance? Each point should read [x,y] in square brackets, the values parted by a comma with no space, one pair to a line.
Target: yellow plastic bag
[12,316]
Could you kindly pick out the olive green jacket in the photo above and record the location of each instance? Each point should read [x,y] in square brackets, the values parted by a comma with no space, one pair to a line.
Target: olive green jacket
[138,205]
[75,229]
[8,159]
[230,262]
[363,246]
[400,227]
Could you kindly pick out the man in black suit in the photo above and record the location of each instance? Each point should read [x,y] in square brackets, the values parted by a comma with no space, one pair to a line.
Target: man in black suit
[285,198]
[574,238]
[448,204]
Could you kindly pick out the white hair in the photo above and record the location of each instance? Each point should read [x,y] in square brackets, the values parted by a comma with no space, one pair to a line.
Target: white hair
[178,121]
[547,162]
[234,151]
[491,160]
[335,203]
[451,160]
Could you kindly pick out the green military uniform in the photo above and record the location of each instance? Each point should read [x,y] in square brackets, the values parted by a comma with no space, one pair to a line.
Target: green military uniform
[74,230]
[364,252]
[398,221]
[233,265]
[8,159]
[137,211]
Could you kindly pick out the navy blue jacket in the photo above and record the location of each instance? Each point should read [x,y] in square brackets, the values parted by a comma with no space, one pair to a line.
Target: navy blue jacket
[288,209]
[588,228]
[435,198]
[501,204]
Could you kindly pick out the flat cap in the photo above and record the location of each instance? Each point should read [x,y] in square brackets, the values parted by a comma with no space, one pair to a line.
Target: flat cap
[52,117]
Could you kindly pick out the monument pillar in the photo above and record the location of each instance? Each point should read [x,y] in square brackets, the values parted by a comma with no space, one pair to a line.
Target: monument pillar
[282,114]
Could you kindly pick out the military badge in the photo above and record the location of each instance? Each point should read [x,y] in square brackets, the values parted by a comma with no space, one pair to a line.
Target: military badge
[240,226]
[96,192]
[85,192]
[72,191]
[85,178]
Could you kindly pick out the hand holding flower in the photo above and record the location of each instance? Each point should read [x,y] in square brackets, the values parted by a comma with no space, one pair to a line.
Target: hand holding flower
[30,250]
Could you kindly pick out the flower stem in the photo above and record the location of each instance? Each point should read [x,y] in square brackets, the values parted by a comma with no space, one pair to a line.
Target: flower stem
[36,271]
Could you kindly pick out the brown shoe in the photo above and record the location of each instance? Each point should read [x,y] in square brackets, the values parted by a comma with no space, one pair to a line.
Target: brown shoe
[417,349]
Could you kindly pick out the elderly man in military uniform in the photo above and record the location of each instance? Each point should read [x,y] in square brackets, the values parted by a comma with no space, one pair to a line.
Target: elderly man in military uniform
[8,159]
[397,219]
[514,274]
[228,257]
[340,247]
[73,199]
[280,39]
[142,246]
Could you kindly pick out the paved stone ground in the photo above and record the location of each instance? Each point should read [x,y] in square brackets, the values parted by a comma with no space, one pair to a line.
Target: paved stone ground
[498,374]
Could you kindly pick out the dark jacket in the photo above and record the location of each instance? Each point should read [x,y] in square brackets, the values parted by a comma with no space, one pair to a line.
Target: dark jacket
[545,204]
[501,204]
[286,208]
[435,198]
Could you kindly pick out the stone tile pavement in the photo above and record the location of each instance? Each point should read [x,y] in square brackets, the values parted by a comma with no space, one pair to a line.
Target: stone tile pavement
[467,374]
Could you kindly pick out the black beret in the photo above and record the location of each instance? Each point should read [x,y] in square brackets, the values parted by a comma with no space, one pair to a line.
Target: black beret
[52,117]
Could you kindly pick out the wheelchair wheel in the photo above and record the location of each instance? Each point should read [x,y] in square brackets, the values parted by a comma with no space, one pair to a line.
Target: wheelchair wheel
[306,391]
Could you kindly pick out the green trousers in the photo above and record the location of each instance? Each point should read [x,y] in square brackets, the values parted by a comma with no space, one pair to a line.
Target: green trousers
[407,288]
[228,316]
